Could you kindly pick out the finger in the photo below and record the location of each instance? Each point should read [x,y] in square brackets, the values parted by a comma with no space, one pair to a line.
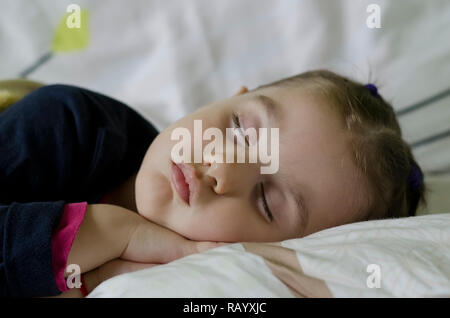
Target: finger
[151,243]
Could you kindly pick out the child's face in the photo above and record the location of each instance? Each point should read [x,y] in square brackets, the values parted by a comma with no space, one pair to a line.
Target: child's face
[315,163]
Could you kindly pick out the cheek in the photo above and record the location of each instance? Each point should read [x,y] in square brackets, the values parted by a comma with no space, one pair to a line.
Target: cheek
[216,221]
[153,189]
[233,223]
[153,193]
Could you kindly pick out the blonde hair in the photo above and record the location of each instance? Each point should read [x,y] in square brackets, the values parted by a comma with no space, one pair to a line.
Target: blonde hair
[379,150]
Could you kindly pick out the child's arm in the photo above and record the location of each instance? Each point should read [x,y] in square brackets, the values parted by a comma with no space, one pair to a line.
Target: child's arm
[60,148]
[109,232]
[103,235]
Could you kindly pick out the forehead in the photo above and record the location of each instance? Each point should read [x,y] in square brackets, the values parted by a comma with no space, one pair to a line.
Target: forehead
[315,152]
[304,116]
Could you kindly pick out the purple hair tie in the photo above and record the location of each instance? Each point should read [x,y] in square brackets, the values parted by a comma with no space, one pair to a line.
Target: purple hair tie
[373,89]
[415,178]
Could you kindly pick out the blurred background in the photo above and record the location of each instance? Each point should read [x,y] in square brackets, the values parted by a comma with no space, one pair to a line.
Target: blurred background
[166,58]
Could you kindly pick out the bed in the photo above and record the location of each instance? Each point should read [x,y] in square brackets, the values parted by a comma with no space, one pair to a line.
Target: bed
[166,58]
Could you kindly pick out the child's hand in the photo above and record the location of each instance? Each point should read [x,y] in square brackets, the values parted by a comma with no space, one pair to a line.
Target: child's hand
[151,243]
[109,232]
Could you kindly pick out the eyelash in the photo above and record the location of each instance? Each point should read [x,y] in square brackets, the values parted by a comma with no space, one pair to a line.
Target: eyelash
[266,206]
[237,122]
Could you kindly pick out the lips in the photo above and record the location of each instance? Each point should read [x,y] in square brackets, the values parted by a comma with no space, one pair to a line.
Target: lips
[184,181]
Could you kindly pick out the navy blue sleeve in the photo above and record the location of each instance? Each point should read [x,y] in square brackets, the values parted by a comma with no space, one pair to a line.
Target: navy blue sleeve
[26,261]
[59,144]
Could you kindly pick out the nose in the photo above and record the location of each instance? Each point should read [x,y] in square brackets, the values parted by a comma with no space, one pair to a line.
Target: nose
[232,178]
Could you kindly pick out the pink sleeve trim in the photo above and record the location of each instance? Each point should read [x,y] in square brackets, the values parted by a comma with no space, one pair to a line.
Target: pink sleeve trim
[62,240]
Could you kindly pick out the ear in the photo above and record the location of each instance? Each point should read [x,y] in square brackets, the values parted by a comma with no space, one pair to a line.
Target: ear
[242,90]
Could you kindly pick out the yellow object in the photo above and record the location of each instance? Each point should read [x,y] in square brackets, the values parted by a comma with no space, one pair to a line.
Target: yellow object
[13,90]
[68,39]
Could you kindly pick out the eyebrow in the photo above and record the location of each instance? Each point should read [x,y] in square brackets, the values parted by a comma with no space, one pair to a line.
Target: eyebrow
[273,113]
[270,106]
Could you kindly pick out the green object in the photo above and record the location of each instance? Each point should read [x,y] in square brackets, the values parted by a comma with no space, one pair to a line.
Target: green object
[72,33]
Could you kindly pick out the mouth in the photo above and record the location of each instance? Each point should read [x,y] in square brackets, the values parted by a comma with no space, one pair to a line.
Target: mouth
[184,181]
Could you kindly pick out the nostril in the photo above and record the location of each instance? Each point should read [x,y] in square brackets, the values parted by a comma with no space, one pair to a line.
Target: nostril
[213,183]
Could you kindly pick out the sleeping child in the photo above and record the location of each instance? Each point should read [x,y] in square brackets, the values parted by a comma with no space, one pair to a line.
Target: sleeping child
[86,180]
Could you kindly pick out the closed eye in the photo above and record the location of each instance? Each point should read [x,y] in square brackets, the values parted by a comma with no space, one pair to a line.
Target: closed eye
[265,205]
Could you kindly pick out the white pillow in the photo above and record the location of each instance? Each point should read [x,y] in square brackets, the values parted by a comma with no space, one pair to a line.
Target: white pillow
[407,257]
